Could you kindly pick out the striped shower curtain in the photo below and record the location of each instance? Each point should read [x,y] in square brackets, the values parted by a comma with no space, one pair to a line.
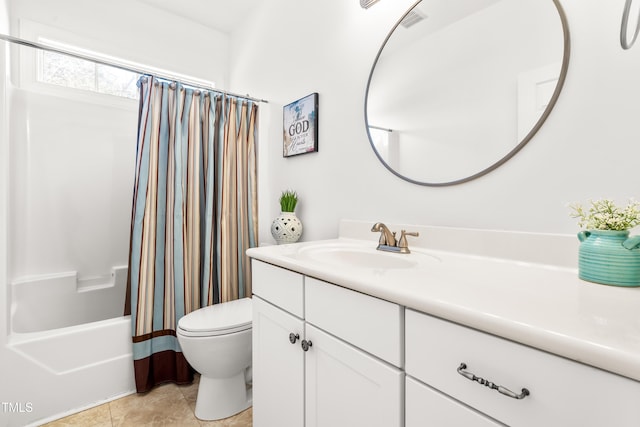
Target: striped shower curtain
[194,215]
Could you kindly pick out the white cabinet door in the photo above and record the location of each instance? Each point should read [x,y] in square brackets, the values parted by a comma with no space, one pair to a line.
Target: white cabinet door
[278,367]
[347,387]
[428,407]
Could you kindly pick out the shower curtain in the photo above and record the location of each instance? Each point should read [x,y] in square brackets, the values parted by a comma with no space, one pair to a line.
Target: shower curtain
[194,215]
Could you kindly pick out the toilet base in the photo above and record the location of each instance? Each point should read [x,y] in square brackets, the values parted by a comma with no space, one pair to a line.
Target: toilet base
[220,398]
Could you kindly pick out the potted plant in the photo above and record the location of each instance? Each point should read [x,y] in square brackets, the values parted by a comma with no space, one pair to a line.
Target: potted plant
[287,228]
[288,201]
[607,254]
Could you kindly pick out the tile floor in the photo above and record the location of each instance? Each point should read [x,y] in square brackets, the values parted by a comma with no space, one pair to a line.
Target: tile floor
[165,405]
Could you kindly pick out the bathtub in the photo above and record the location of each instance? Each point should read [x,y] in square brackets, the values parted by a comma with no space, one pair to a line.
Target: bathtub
[73,353]
[52,301]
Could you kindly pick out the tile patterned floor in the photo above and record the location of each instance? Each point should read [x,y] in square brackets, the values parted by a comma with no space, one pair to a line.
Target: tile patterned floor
[165,405]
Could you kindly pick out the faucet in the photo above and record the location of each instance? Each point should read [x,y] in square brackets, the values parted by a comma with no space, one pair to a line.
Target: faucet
[386,236]
[388,241]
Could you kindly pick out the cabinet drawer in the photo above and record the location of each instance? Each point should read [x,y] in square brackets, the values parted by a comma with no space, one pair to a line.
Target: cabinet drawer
[279,286]
[562,392]
[424,403]
[369,323]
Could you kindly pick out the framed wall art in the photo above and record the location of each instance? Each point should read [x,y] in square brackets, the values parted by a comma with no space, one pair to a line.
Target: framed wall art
[300,132]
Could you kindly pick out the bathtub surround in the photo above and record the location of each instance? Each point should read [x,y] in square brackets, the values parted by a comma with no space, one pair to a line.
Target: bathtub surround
[46,302]
[194,215]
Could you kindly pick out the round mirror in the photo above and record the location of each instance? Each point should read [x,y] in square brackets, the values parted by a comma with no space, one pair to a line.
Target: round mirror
[460,86]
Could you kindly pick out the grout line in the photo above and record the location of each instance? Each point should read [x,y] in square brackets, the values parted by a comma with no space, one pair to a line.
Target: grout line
[111,415]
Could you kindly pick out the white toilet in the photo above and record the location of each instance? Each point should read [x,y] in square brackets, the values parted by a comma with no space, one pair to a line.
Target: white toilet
[216,341]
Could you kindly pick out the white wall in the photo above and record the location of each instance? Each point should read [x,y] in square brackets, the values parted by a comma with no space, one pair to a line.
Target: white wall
[133,31]
[588,147]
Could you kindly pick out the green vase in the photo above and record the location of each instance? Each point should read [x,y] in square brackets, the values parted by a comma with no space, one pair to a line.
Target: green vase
[609,257]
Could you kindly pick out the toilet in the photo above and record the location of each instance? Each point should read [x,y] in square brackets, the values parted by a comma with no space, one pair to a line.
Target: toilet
[216,341]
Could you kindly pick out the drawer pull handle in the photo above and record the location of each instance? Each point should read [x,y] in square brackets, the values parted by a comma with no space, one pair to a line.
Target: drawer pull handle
[293,337]
[306,345]
[472,377]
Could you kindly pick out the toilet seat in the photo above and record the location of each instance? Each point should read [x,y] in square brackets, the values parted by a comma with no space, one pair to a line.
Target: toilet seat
[218,319]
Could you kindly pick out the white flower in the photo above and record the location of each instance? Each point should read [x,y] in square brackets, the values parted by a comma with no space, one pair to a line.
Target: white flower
[605,215]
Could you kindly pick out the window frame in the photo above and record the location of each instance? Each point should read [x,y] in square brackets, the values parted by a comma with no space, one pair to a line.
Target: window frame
[24,66]
[40,78]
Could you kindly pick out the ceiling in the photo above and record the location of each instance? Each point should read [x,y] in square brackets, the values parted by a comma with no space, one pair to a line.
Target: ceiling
[222,15]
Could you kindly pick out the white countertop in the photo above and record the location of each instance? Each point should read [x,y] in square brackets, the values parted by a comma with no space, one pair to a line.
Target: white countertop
[544,306]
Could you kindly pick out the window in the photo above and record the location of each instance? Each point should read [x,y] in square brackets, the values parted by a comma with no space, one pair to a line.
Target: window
[87,76]
[64,70]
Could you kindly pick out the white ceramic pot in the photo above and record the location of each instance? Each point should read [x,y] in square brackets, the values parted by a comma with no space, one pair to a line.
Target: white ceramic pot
[286,228]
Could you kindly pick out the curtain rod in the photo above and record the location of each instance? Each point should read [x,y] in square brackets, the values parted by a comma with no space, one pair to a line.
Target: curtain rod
[40,46]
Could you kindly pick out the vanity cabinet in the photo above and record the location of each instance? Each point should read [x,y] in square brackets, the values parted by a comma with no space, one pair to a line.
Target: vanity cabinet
[326,356]
[308,369]
[560,392]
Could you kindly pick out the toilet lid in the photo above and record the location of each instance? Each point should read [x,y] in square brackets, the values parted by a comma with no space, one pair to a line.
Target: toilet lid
[217,319]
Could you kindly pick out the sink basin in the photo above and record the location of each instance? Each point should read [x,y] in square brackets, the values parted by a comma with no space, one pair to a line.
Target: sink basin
[353,256]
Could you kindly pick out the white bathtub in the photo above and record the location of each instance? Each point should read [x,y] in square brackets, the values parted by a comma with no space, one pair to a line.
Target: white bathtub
[52,301]
[65,369]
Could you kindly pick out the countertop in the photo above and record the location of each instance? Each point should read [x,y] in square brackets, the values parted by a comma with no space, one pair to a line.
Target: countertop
[544,306]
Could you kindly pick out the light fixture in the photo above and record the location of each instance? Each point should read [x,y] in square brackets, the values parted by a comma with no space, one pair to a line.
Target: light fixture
[413,17]
[366,4]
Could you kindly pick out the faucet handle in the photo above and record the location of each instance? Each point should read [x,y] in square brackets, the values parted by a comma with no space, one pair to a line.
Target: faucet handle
[402,243]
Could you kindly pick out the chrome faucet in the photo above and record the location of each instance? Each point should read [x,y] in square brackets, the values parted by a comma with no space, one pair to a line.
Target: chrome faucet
[388,241]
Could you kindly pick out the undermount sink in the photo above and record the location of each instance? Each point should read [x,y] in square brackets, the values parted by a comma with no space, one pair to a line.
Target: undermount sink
[358,256]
